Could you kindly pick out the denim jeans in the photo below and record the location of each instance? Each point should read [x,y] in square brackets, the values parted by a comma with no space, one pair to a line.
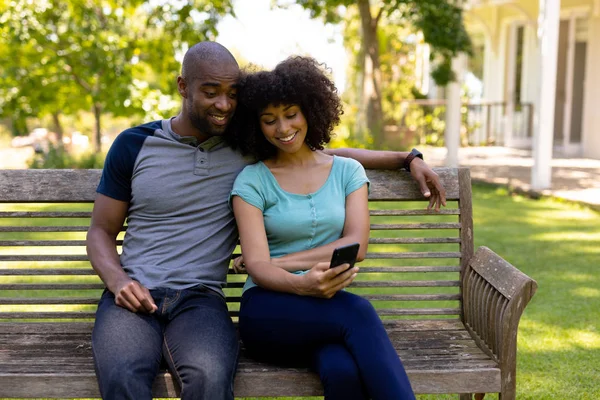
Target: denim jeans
[191,331]
[342,338]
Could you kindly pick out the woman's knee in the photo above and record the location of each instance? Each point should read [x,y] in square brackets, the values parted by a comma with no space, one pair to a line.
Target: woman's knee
[341,379]
[361,310]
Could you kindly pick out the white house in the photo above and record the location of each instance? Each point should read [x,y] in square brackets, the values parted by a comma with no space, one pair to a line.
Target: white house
[547,53]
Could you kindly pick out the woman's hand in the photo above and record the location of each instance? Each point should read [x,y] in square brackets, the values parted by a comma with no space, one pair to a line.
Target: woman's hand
[238,265]
[323,281]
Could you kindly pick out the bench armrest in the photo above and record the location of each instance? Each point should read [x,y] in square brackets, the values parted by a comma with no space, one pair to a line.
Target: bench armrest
[495,293]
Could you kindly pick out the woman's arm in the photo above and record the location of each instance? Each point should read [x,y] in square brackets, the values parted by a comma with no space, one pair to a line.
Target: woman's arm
[320,281]
[356,230]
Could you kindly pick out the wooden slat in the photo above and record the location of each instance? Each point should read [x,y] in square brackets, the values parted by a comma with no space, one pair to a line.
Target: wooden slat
[45,214]
[48,300]
[415,225]
[418,283]
[414,254]
[419,311]
[398,185]
[51,286]
[47,271]
[407,297]
[68,228]
[47,315]
[412,240]
[394,213]
[88,214]
[249,382]
[90,271]
[77,300]
[369,269]
[48,243]
[45,257]
[48,186]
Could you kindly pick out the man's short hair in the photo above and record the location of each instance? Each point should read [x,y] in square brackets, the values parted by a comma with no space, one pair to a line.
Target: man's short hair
[203,52]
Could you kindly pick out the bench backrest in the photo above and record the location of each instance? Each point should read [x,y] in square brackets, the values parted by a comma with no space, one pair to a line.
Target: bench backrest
[412,270]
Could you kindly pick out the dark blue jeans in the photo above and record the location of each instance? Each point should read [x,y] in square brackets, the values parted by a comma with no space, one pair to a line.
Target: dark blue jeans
[191,331]
[342,338]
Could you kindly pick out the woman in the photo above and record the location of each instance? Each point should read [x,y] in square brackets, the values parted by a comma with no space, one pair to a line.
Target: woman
[293,208]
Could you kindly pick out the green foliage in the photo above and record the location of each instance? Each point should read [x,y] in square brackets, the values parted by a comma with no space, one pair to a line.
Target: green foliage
[380,36]
[62,56]
[58,158]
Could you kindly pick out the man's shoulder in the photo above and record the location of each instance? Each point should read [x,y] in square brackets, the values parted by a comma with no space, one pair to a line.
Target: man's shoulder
[147,129]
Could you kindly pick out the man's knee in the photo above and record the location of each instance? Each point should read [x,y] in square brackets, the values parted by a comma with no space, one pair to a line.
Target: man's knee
[208,379]
[125,381]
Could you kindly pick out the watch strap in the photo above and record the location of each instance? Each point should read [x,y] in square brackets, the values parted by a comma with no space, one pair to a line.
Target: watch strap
[410,157]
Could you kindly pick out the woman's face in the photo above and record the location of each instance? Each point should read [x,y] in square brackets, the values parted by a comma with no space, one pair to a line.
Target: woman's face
[284,126]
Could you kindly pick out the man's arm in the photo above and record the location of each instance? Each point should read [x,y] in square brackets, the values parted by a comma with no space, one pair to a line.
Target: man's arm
[428,180]
[108,217]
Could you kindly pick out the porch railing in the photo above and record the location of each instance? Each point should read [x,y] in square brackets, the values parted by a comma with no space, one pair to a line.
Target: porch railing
[482,124]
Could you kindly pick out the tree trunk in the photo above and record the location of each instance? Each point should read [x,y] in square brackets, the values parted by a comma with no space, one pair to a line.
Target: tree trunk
[360,125]
[19,126]
[97,133]
[372,73]
[58,129]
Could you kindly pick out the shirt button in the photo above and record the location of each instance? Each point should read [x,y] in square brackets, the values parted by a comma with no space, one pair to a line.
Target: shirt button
[309,196]
[201,149]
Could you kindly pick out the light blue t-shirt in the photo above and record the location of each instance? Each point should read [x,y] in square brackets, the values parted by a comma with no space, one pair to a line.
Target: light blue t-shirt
[297,222]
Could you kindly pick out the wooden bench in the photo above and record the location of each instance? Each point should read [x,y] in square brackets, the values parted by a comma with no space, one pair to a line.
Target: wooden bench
[451,313]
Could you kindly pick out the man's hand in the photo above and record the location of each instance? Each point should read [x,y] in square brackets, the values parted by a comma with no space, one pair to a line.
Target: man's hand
[322,281]
[133,296]
[238,265]
[429,182]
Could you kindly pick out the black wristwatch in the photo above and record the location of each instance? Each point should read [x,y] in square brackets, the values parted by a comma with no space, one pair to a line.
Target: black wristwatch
[411,156]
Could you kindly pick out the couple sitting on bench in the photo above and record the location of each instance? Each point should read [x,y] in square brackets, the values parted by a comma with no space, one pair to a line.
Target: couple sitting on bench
[172,181]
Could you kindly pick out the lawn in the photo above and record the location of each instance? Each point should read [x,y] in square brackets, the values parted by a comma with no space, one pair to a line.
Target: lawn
[557,244]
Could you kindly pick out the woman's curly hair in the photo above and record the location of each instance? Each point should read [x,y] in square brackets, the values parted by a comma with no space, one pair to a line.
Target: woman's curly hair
[296,80]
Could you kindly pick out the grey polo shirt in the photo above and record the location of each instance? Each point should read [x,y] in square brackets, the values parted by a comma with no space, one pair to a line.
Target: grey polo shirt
[180,229]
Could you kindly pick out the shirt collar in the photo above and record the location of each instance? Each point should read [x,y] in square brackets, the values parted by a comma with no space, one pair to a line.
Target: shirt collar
[207,145]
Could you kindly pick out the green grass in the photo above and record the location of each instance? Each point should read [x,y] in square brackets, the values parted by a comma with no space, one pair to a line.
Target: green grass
[558,245]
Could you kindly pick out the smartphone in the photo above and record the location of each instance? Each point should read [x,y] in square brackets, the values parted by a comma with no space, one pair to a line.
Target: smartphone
[344,254]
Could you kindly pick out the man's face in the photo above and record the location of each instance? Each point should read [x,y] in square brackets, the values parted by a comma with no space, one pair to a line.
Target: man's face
[211,98]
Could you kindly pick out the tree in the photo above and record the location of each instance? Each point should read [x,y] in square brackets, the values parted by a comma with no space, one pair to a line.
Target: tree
[439,20]
[85,54]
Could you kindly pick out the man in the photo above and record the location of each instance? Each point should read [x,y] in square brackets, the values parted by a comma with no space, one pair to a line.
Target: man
[171,180]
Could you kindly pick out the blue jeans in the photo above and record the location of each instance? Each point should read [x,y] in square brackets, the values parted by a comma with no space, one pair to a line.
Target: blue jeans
[342,338]
[191,330]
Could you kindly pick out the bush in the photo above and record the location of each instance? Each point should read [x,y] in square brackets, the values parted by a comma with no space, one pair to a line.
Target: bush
[57,157]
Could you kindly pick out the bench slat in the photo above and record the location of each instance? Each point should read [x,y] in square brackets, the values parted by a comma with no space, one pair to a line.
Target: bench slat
[413,240]
[89,271]
[414,254]
[49,243]
[48,186]
[369,256]
[416,225]
[394,213]
[45,214]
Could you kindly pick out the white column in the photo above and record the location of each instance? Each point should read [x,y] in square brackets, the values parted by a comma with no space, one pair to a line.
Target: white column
[591,117]
[543,130]
[453,117]
[509,114]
